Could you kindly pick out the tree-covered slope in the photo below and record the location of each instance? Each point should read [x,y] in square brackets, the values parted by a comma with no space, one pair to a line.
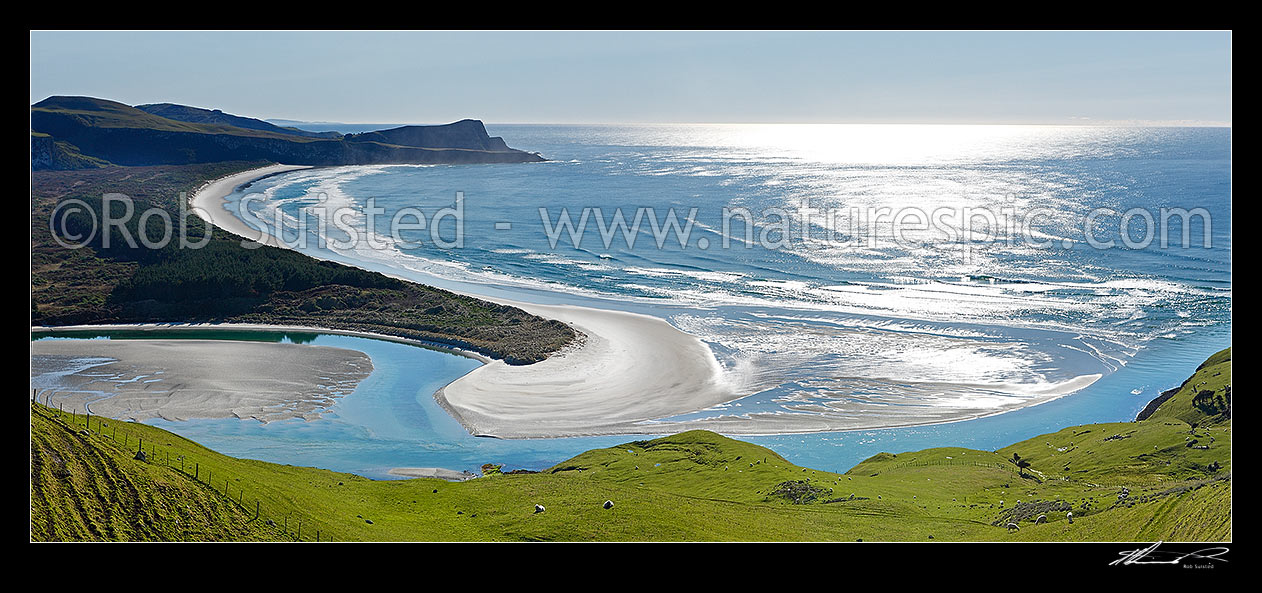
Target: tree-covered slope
[227,282]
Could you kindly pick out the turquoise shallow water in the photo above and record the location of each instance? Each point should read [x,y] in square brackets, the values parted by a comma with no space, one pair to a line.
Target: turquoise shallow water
[391,419]
[814,326]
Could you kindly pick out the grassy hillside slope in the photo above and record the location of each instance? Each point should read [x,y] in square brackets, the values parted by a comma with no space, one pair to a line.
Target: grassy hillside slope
[702,486]
[87,488]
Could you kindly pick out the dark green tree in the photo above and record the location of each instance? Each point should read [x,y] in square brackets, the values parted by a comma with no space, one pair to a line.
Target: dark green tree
[1020,463]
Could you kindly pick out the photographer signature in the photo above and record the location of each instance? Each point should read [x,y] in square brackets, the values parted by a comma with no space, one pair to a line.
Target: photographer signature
[1151,555]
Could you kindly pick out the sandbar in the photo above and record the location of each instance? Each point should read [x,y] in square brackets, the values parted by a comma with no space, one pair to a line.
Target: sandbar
[185,379]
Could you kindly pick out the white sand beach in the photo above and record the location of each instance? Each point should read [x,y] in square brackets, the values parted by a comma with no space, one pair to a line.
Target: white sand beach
[184,379]
[626,373]
[207,202]
[254,327]
[628,368]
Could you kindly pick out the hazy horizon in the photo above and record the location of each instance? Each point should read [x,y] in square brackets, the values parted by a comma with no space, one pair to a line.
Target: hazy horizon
[576,77]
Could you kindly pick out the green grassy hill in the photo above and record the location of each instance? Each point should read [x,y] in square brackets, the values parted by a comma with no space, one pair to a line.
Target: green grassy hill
[87,488]
[196,115]
[1205,398]
[690,486]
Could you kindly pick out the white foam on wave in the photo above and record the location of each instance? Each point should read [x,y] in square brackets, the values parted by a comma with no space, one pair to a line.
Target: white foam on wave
[911,323]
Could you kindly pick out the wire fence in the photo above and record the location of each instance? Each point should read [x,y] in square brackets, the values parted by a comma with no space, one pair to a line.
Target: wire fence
[286,520]
[955,462]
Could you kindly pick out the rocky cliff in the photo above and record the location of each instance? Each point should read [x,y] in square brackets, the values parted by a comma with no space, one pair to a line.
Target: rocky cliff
[110,131]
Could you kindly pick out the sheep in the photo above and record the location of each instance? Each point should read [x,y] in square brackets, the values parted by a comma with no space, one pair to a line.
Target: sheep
[1013,527]
[1041,519]
[539,508]
[1070,516]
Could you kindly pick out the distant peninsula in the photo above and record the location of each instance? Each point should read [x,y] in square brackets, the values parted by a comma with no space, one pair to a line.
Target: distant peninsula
[87,132]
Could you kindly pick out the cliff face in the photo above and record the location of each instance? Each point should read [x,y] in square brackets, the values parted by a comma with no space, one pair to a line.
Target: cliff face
[49,154]
[124,135]
[467,134]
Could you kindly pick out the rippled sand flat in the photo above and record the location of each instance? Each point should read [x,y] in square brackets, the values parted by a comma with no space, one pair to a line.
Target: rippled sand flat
[185,379]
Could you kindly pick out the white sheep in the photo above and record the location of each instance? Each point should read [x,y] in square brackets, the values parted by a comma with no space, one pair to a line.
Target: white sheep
[1041,519]
[1013,527]
[1070,516]
[539,508]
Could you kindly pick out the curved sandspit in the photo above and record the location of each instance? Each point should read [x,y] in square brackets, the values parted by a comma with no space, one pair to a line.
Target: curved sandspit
[629,368]
[632,374]
[208,201]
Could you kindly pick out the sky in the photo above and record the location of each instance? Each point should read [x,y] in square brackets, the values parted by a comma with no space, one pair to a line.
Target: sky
[1165,78]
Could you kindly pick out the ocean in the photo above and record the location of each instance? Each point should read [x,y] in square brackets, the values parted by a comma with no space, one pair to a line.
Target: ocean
[847,270]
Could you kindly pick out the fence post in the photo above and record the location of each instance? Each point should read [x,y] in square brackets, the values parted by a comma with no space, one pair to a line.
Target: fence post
[256,510]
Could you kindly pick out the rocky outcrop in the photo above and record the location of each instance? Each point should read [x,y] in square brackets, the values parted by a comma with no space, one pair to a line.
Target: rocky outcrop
[124,135]
[468,134]
[49,154]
